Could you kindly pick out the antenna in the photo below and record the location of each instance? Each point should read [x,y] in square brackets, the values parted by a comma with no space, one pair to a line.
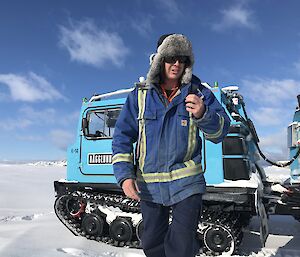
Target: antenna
[118,92]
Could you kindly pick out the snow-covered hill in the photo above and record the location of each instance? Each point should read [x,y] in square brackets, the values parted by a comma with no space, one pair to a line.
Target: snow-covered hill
[49,163]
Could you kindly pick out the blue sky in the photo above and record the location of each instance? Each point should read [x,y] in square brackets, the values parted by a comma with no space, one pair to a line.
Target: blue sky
[54,53]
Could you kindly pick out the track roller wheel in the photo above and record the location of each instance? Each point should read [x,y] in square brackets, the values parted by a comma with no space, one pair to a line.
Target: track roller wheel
[121,230]
[75,207]
[139,230]
[219,240]
[92,224]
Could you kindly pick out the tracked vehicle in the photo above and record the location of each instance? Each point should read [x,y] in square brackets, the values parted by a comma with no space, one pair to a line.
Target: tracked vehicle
[90,203]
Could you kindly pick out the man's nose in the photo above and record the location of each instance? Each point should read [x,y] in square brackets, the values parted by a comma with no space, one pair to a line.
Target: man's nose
[177,63]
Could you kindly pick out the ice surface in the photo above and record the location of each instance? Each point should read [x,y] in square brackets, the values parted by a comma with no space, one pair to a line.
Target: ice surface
[29,227]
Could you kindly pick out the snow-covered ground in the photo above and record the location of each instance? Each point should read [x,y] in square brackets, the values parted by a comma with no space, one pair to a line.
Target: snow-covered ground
[29,227]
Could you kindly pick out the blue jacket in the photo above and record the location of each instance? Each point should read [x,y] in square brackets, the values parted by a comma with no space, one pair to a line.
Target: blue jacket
[168,142]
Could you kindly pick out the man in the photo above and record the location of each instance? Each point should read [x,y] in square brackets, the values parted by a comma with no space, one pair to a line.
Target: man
[164,117]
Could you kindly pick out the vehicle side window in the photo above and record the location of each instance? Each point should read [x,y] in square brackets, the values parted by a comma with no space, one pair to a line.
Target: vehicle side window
[101,123]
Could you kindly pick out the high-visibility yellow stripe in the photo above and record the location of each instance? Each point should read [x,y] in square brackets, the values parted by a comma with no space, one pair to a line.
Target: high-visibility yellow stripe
[219,132]
[170,176]
[122,157]
[191,139]
[189,163]
[141,102]
[142,134]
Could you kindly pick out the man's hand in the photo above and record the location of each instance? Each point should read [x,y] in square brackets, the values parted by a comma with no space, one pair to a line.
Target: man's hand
[131,189]
[195,105]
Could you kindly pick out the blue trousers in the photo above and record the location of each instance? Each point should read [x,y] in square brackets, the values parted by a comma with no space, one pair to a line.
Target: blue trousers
[178,239]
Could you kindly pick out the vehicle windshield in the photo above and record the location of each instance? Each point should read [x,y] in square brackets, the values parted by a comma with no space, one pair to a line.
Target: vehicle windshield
[101,123]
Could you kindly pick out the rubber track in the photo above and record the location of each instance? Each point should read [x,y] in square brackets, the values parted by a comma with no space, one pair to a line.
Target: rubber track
[229,221]
[209,218]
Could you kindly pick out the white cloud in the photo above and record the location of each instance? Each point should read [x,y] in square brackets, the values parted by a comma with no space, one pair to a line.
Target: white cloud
[297,66]
[268,116]
[40,116]
[275,145]
[170,9]
[272,92]
[31,138]
[3,97]
[27,117]
[14,124]
[30,88]
[90,45]
[61,138]
[143,25]
[236,16]
[71,117]
[42,119]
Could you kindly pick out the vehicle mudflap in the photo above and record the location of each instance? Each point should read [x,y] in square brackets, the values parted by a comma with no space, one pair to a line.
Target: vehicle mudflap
[263,219]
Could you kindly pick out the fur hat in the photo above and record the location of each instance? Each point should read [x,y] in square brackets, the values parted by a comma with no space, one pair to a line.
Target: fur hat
[171,45]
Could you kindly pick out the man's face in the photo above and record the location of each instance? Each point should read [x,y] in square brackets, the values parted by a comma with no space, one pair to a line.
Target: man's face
[174,67]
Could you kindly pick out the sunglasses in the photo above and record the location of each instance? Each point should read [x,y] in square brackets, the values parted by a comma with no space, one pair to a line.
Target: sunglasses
[179,58]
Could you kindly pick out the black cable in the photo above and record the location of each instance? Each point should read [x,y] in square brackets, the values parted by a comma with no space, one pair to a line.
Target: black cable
[253,132]
[281,165]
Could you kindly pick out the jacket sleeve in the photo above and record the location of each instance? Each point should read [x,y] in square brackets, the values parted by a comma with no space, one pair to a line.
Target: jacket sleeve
[215,122]
[125,135]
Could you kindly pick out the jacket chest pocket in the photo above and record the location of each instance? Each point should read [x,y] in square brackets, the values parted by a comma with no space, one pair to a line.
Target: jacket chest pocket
[151,123]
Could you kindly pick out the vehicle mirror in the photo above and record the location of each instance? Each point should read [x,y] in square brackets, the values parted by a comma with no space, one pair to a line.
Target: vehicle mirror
[85,126]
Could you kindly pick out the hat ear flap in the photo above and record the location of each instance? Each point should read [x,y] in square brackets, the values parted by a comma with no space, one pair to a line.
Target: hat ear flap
[153,75]
[151,58]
